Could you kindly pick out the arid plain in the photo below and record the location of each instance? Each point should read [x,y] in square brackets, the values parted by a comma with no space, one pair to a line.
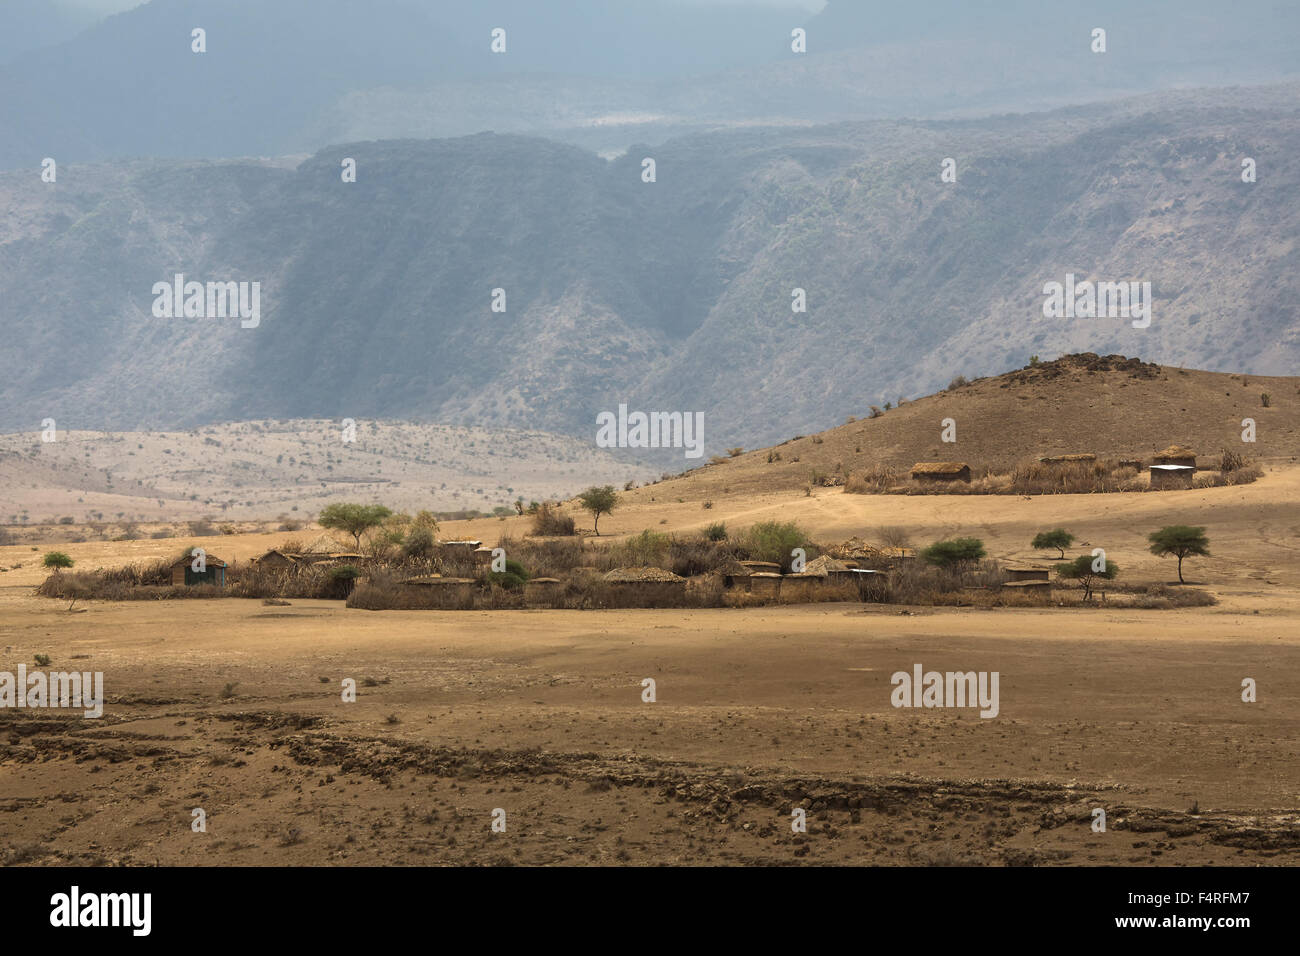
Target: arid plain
[758,711]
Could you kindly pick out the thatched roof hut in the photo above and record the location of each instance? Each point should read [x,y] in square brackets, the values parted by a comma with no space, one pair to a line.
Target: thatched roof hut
[323,545]
[1027,572]
[1081,458]
[465,548]
[1176,455]
[642,575]
[941,471]
[646,584]
[324,548]
[275,560]
[184,575]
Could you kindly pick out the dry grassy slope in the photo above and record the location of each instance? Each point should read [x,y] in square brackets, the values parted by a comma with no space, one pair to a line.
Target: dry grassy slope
[242,470]
[1059,407]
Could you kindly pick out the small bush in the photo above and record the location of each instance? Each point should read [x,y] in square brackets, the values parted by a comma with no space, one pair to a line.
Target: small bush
[774,541]
[875,480]
[548,522]
[419,544]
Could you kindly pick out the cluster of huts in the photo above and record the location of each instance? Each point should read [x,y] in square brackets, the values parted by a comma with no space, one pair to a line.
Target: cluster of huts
[322,550]
[1173,468]
[854,565]
[648,584]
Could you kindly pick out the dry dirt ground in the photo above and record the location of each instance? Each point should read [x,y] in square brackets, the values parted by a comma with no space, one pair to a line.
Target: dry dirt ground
[758,711]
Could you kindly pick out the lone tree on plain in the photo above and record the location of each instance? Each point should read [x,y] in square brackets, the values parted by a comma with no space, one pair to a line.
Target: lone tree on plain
[57,560]
[1085,570]
[956,553]
[1182,541]
[599,501]
[1060,539]
[355,519]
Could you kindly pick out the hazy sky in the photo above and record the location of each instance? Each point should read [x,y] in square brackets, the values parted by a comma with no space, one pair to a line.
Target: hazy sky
[106,7]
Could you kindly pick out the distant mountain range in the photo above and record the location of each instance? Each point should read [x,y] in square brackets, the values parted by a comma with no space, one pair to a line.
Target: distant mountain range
[673,295]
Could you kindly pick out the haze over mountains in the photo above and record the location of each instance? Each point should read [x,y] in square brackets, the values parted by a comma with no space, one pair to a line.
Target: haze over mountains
[671,295]
[293,76]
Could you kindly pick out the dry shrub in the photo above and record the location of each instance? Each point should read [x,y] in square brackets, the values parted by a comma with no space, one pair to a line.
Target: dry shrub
[383,592]
[1164,597]
[545,558]
[1243,475]
[83,585]
[892,536]
[549,522]
[875,480]
[915,582]
[591,592]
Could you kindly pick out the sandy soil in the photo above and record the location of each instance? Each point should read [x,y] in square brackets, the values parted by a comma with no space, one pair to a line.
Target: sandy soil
[758,711]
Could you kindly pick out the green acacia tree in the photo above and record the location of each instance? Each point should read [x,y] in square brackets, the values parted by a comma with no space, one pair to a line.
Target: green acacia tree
[956,553]
[57,560]
[1060,539]
[1085,570]
[1182,541]
[355,519]
[599,501]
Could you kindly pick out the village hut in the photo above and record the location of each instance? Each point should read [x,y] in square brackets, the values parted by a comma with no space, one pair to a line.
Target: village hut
[1079,459]
[832,570]
[541,590]
[325,549]
[1027,572]
[435,591]
[754,567]
[1172,477]
[184,575]
[1031,586]
[649,584]
[856,553]
[460,549]
[1176,455]
[276,560]
[765,584]
[871,583]
[483,557]
[804,587]
[937,472]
